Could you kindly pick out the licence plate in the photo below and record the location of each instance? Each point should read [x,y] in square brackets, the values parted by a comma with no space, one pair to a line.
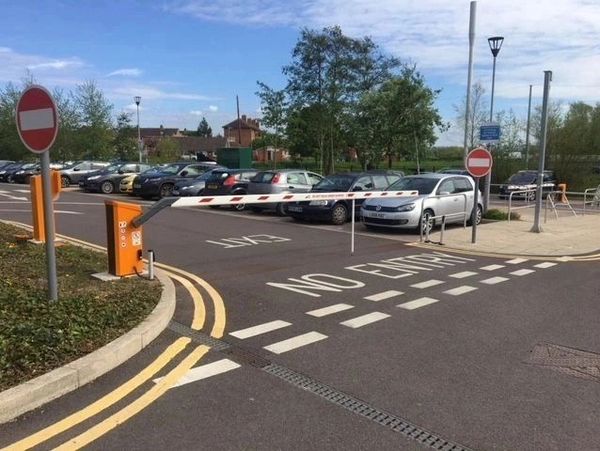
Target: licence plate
[370,214]
[295,209]
[212,186]
[137,185]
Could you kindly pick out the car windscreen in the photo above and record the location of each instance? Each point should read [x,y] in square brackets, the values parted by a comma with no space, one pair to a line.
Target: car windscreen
[335,183]
[172,168]
[522,178]
[216,176]
[29,166]
[424,185]
[204,176]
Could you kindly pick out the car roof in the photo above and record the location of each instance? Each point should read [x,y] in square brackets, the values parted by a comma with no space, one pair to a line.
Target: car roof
[435,175]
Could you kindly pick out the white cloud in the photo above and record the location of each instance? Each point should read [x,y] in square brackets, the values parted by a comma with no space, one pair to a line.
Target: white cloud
[57,71]
[213,108]
[152,93]
[196,113]
[127,72]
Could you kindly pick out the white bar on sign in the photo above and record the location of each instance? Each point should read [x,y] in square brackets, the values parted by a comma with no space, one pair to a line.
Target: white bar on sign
[479,162]
[36,119]
[260,329]
[295,342]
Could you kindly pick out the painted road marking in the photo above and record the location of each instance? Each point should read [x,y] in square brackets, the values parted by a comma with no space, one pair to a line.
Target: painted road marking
[421,302]
[363,320]
[199,307]
[491,267]
[383,295]
[462,275]
[522,272]
[516,261]
[427,284]
[26,191]
[545,265]
[260,329]
[494,280]
[251,240]
[329,310]
[296,342]
[460,290]
[204,372]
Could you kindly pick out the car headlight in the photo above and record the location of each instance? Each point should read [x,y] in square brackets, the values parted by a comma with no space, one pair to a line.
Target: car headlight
[20,172]
[2,172]
[93,177]
[406,207]
[318,203]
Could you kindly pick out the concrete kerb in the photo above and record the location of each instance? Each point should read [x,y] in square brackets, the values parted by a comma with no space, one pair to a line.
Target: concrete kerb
[37,392]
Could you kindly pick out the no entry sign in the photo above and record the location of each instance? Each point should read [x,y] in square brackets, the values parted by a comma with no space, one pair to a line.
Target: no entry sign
[37,119]
[479,162]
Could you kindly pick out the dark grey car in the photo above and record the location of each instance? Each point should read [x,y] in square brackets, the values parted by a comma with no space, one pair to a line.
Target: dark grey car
[75,173]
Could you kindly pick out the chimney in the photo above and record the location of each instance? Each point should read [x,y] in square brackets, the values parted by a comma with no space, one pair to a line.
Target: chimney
[243,117]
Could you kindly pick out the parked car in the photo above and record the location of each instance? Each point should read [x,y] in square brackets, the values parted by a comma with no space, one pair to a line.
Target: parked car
[527,180]
[25,172]
[454,171]
[7,172]
[4,163]
[126,184]
[160,184]
[107,180]
[338,211]
[194,187]
[229,181]
[278,182]
[439,195]
[73,174]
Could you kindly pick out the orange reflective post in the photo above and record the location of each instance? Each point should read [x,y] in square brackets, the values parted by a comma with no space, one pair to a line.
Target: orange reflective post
[56,184]
[124,242]
[37,208]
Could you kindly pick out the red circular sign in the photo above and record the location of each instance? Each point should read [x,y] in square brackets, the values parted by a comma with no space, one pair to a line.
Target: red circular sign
[37,119]
[479,162]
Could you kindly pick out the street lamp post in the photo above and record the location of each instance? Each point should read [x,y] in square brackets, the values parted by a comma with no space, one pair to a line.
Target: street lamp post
[495,43]
[137,100]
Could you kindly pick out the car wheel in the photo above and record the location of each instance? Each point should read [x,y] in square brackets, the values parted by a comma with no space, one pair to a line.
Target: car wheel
[530,196]
[280,209]
[65,181]
[238,207]
[426,222]
[107,187]
[478,216]
[339,214]
[255,209]
[166,190]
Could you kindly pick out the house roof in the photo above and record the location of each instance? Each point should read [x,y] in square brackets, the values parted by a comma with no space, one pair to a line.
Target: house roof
[245,123]
[158,131]
[190,144]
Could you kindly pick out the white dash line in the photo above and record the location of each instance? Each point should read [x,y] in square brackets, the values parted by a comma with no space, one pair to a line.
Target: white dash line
[384,295]
[427,284]
[421,302]
[363,320]
[204,371]
[260,329]
[26,191]
[295,342]
[516,261]
[522,272]
[494,280]
[462,275]
[545,265]
[460,290]
[491,267]
[329,310]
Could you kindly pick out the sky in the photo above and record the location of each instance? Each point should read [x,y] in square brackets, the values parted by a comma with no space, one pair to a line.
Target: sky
[190,58]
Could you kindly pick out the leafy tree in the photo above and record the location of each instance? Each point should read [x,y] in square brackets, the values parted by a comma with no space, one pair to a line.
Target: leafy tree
[95,135]
[125,139]
[204,129]
[10,143]
[274,110]
[167,150]
[65,147]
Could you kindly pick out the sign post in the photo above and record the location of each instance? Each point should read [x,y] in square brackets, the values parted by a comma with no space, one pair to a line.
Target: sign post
[479,164]
[37,124]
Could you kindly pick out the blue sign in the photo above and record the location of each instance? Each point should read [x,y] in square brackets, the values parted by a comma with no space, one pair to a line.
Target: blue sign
[489,133]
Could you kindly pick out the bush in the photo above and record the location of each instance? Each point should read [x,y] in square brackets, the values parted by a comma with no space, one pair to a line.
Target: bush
[499,215]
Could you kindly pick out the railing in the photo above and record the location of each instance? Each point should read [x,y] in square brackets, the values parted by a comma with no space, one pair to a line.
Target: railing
[595,192]
[464,215]
[510,196]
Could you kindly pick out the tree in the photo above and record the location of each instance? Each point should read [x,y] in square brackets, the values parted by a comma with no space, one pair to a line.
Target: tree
[204,129]
[10,143]
[273,106]
[167,150]
[95,136]
[478,114]
[66,148]
[125,139]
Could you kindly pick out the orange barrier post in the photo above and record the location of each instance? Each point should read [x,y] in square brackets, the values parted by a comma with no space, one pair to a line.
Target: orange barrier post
[124,239]
[37,203]
[563,197]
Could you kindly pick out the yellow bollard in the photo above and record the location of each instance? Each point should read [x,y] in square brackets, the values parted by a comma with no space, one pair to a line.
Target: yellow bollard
[37,203]
[563,197]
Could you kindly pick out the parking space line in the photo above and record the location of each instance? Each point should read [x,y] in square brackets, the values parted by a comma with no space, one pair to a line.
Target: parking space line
[421,302]
[336,308]
[460,290]
[363,320]
[463,274]
[491,267]
[516,261]
[428,284]
[494,280]
[522,272]
[204,372]
[259,329]
[295,342]
[383,295]
[545,265]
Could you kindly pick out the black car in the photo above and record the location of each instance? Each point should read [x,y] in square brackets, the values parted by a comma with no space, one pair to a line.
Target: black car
[160,184]
[4,163]
[229,181]
[7,172]
[107,180]
[527,180]
[338,211]
[194,187]
[24,173]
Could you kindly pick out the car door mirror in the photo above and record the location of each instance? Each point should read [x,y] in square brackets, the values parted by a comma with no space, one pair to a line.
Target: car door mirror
[444,193]
[76,169]
[184,173]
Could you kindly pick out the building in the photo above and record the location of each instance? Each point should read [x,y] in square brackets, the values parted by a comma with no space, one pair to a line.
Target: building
[242,131]
[267,154]
[189,146]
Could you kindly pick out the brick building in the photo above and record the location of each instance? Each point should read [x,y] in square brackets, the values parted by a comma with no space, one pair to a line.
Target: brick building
[242,131]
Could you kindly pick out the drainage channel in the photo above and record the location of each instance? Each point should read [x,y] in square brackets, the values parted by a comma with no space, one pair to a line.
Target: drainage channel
[337,397]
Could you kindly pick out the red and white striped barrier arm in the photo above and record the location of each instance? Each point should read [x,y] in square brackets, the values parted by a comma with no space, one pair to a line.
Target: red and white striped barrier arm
[200,201]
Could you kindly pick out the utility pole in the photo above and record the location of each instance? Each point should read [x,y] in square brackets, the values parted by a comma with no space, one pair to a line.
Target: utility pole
[472,23]
[527,133]
[237,100]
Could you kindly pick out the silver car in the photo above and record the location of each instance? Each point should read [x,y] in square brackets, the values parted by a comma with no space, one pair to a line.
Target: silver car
[439,195]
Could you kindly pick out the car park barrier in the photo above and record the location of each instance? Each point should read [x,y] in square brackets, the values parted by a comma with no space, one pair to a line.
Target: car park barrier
[124,239]
[465,214]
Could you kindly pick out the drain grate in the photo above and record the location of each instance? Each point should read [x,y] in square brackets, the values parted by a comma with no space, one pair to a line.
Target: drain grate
[359,407]
[198,337]
[570,361]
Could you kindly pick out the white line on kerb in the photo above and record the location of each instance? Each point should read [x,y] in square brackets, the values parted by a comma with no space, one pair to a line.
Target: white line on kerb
[383,295]
[259,329]
[329,310]
[204,371]
[421,302]
[363,320]
[36,119]
[427,284]
[295,342]
[460,290]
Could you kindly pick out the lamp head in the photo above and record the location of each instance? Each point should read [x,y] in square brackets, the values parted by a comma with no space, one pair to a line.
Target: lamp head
[137,100]
[495,44]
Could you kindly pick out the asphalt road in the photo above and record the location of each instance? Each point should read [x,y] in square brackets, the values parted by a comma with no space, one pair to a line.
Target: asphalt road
[327,350]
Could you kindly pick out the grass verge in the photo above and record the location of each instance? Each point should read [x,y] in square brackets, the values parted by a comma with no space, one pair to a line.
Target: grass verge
[499,215]
[37,336]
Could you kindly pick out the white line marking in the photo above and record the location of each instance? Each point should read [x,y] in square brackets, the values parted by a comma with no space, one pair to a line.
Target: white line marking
[14,197]
[383,295]
[295,342]
[26,191]
[516,261]
[545,265]
[363,320]
[491,267]
[260,329]
[204,371]
[460,290]
[494,280]
[36,119]
[329,310]
[427,284]
[462,275]
[421,302]
[522,272]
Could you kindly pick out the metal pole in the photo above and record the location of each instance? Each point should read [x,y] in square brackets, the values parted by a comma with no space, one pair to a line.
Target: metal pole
[488,178]
[352,235]
[150,264]
[493,87]
[472,23]
[139,135]
[474,212]
[537,228]
[527,132]
[237,101]
[49,225]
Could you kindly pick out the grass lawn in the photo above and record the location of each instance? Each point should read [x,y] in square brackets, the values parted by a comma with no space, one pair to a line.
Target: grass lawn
[37,336]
